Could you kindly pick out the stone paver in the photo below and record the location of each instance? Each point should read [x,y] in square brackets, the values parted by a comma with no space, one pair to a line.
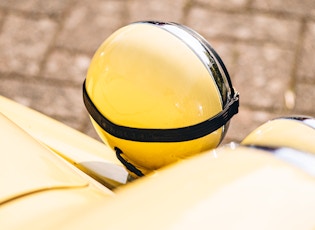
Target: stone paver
[267,45]
[306,63]
[256,75]
[243,26]
[66,66]
[305,103]
[24,42]
[227,4]
[164,10]
[47,8]
[291,7]
[88,24]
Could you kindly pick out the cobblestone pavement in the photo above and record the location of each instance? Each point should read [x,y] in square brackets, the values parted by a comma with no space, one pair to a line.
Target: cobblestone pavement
[268,47]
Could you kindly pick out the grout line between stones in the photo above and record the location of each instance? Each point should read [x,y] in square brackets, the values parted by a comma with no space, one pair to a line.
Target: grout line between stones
[37,80]
[52,44]
[186,9]
[4,16]
[291,96]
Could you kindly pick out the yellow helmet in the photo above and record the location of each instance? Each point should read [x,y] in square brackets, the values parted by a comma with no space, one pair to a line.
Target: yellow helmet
[158,92]
[296,132]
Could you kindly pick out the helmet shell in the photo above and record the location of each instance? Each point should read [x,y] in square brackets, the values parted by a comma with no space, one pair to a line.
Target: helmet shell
[146,76]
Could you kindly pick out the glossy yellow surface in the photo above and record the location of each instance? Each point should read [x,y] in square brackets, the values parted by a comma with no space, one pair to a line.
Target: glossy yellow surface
[229,188]
[232,187]
[144,77]
[283,133]
[39,188]
[27,166]
[89,155]
[50,209]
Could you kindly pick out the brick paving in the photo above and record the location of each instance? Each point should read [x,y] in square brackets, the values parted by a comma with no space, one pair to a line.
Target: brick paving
[268,47]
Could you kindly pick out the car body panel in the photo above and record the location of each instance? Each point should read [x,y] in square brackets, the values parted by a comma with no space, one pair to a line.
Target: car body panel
[49,209]
[37,185]
[86,153]
[228,188]
[283,132]
[231,187]
[28,167]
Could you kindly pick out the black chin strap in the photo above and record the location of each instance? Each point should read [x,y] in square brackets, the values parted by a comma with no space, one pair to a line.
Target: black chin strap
[163,135]
[127,164]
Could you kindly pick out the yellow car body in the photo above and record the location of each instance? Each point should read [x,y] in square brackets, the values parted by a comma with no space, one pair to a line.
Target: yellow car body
[54,177]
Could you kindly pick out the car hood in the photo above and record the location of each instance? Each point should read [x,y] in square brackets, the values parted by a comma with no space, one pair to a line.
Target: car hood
[27,166]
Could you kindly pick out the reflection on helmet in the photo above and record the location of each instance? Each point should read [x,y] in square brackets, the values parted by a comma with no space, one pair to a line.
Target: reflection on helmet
[158,92]
[296,132]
